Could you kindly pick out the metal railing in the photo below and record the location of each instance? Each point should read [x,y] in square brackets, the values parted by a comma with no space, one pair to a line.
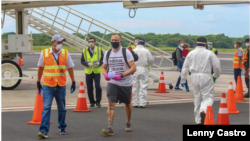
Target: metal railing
[48,21]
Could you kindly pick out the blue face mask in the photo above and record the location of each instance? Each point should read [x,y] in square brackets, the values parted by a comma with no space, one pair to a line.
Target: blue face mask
[209,46]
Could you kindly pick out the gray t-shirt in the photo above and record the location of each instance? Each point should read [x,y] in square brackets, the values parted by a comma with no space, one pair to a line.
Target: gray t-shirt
[117,64]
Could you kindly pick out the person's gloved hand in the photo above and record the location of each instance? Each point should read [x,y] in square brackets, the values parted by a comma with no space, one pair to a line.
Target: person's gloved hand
[39,87]
[117,77]
[73,87]
[106,77]
[183,84]
[97,63]
[90,64]
[214,79]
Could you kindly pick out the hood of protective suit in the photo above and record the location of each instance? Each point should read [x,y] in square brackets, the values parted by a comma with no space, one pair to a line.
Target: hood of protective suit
[145,57]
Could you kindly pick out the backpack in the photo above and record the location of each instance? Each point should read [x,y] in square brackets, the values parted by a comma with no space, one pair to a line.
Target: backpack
[174,57]
[124,55]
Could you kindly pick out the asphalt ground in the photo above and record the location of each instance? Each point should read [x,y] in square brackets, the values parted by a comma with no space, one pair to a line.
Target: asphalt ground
[31,60]
[154,123]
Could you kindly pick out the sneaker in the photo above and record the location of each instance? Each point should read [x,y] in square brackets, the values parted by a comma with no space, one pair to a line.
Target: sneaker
[98,105]
[108,131]
[142,106]
[128,127]
[42,135]
[177,88]
[92,105]
[187,89]
[63,132]
[135,106]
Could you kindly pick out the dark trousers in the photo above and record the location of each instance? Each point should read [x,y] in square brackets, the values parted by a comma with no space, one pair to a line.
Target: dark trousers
[247,80]
[179,81]
[237,72]
[89,82]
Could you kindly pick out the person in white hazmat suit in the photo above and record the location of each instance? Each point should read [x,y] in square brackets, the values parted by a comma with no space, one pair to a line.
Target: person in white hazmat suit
[140,77]
[200,62]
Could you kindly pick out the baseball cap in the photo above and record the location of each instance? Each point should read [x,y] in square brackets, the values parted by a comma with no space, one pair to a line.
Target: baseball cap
[58,37]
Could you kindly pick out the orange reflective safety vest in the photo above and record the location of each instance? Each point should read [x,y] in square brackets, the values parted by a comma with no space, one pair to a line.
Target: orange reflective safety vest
[55,74]
[236,60]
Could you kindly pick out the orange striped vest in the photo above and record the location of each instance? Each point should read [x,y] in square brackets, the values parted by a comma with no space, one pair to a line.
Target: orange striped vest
[236,60]
[54,74]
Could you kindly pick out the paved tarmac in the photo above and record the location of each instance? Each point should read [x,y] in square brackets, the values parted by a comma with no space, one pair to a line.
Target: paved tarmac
[161,120]
[154,123]
[30,62]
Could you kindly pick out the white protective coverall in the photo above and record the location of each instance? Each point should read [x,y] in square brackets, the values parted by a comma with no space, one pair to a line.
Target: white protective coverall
[200,62]
[140,77]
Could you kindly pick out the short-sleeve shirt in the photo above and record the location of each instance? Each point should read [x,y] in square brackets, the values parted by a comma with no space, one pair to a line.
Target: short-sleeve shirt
[69,63]
[117,64]
[240,53]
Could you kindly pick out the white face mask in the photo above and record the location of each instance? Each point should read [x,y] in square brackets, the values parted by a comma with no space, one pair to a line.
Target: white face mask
[136,42]
[247,44]
[59,46]
[91,45]
[182,44]
[235,45]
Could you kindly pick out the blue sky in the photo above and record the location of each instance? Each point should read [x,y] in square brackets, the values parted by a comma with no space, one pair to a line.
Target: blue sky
[232,20]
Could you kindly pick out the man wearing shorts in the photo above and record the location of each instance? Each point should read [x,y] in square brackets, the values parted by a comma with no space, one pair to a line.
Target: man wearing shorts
[120,85]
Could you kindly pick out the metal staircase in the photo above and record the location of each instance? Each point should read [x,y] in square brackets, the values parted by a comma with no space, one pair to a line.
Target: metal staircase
[44,21]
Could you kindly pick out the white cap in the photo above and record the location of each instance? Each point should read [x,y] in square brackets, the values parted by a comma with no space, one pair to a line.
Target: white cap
[58,37]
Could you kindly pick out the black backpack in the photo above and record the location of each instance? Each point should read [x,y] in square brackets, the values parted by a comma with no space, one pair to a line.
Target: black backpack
[174,57]
[124,55]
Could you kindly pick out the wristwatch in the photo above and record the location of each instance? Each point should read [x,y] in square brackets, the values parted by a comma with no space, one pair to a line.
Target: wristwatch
[122,75]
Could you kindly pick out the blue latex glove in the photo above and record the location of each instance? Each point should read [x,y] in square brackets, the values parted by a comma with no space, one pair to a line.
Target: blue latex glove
[73,87]
[214,78]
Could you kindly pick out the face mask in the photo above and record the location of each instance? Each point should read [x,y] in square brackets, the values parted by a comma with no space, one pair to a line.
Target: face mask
[115,44]
[59,46]
[209,46]
[136,42]
[91,45]
[235,45]
[247,44]
[182,44]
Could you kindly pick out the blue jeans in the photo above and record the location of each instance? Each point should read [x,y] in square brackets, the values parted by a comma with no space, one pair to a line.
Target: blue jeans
[48,94]
[179,81]
[237,72]
[89,82]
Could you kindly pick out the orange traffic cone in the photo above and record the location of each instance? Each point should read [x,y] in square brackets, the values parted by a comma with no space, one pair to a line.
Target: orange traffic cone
[209,119]
[81,102]
[223,117]
[20,62]
[38,109]
[161,87]
[236,85]
[239,91]
[231,103]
